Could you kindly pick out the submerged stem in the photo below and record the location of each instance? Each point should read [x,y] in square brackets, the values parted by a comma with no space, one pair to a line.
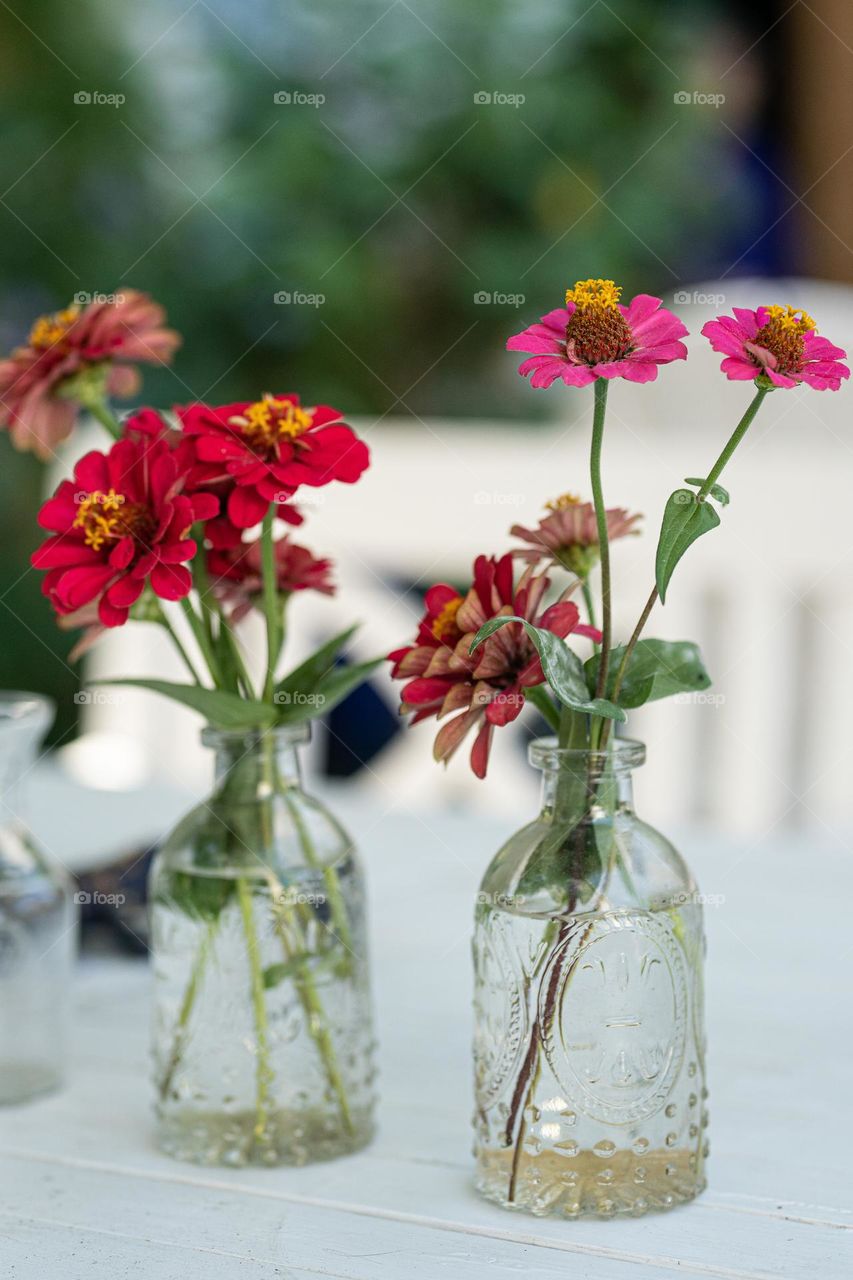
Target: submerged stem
[256,981]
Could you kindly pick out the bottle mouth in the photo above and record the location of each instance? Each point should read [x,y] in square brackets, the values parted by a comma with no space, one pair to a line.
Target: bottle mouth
[620,756]
[281,735]
[23,712]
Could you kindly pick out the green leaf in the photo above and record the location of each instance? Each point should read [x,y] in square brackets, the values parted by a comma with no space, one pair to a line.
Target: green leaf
[225,710]
[542,701]
[717,491]
[562,667]
[294,707]
[304,678]
[685,519]
[276,973]
[656,669]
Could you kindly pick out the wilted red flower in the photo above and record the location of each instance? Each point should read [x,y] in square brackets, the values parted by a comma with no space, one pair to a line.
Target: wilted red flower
[105,339]
[485,688]
[568,535]
[777,343]
[120,523]
[238,574]
[267,449]
[594,336]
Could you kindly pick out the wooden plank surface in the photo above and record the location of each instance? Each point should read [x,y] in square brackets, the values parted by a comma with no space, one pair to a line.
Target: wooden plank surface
[85,1193]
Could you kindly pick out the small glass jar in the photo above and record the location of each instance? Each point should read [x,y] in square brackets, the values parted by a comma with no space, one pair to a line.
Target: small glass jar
[262,1033]
[37,921]
[589,1042]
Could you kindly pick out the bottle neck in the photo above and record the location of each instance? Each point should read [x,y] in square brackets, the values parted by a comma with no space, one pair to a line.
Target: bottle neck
[576,784]
[255,764]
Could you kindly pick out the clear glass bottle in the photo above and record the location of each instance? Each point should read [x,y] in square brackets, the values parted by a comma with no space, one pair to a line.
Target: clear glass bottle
[589,1043]
[262,1033]
[37,921]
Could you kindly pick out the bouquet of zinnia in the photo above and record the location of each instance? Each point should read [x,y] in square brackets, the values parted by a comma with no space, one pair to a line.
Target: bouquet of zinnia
[189,512]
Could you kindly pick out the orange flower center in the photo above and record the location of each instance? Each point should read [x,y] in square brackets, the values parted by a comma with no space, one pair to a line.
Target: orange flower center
[108,517]
[783,335]
[50,330]
[597,331]
[265,422]
[444,626]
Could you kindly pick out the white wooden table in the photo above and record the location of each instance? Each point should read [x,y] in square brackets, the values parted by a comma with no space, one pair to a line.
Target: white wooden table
[85,1194]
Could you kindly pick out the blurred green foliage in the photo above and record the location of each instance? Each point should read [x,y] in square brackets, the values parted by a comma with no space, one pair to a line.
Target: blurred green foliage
[398,198]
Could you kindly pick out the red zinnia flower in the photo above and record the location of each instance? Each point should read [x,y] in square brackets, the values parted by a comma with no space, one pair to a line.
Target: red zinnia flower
[107,335]
[777,343]
[594,336]
[268,448]
[568,534]
[485,688]
[238,573]
[121,523]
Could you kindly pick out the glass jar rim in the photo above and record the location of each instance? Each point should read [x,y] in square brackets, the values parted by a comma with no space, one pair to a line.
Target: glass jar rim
[282,735]
[22,711]
[621,755]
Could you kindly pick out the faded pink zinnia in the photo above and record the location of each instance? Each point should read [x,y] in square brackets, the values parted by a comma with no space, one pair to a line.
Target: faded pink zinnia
[486,688]
[777,343]
[107,335]
[568,534]
[238,574]
[594,336]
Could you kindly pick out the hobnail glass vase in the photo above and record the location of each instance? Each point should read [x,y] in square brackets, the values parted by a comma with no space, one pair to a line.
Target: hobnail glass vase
[589,1044]
[37,921]
[262,1030]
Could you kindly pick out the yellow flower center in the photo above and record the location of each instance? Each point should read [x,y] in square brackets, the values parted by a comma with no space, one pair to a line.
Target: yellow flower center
[562,503]
[444,626]
[783,335]
[267,420]
[50,330]
[107,517]
[597,331]
[601,294]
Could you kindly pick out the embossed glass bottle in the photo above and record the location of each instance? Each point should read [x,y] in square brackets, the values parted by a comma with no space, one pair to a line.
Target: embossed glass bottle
[37,921]
[262,1035]
[589,1044]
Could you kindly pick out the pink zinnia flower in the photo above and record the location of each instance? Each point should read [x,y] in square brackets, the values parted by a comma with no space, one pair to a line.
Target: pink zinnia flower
[121,523]
[594,336]
[265,450]
[238,574]
[568,534]
[779,344]
[486,688]
[106,337]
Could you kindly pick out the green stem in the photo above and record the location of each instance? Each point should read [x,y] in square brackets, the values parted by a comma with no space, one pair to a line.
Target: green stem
[586,591]
[272,604]
[99,410]
[603,541]
[337,905]
[203,641]
[256,979]
[187,1005]
[178,643]
[711,479]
